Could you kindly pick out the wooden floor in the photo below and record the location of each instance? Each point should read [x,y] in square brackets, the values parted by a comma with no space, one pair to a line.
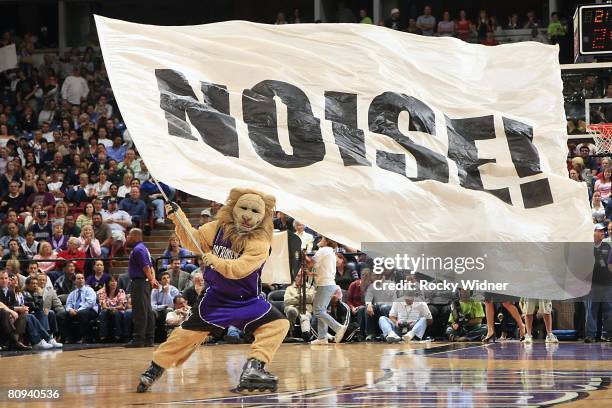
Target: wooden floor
[356,375]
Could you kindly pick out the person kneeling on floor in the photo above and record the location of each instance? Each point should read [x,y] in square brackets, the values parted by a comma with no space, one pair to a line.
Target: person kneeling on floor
[466,318]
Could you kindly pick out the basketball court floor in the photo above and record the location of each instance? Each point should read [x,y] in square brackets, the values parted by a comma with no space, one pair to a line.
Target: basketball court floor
[349,375]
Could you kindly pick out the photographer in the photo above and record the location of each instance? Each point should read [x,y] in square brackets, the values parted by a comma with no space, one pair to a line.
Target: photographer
[408,319]
[465,318]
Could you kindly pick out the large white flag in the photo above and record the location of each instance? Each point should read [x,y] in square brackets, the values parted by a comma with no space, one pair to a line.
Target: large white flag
[363,133]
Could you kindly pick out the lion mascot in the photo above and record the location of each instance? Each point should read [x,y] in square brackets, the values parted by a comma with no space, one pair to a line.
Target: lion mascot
[235,245]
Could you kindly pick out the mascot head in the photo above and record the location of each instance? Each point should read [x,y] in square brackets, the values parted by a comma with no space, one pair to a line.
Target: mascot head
[247,215]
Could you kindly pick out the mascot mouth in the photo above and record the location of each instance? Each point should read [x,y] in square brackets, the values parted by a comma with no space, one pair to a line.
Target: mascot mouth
[246,225]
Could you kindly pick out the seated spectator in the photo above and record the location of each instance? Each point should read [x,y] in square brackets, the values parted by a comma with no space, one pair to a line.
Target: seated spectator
[38,328]
[30,246]
[11,216]
[45,251]
[178,277]
[41,227]
[378,302]
[113,191]
[355,302]
[59,241]
[177,316]
[90,246]
[118,150]
[13,199]
[56,185]
[192,293]
[81,192]
[466,319]
[98,279]
[65,283]
[464,26]
[162,301]
[72,252]
[12,235]
[70,227]
[119,221]
[102,234]
[490,39]
[15,253]
[604,185]
[56,313]
[115,318]
[10,175]
[135,207]
[98,205]
[87,217]
[154,198]
[13,316]
[205,217]
[283,222]
[42,196]
[598,210]
[130,163]
[124,189]
[174,250]
[102,186]
[293,301]
[81,308]
[59,214]
[408,319]
[346,272]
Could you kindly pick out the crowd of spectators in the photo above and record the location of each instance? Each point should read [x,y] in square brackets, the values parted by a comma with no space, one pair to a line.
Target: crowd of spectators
[479,28]
[71,186]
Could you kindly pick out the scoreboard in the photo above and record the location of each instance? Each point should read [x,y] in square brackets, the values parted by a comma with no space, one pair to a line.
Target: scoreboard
[593,30]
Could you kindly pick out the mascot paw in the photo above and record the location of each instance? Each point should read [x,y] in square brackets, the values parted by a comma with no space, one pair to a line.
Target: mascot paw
[209,258]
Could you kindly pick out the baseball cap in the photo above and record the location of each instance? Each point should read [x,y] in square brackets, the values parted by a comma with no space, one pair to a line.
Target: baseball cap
[42,213]
[112,200]
[599,227]
[395,10]
[206,212]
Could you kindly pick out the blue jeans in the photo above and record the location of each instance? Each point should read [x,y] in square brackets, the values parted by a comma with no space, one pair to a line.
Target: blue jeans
[371,322]
[104,251]
[322,297]
[599,298]
[35,330]
[159,208]
[112,321]
[387,325]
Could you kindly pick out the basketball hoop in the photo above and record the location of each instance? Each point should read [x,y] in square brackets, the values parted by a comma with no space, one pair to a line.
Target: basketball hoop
[602,135]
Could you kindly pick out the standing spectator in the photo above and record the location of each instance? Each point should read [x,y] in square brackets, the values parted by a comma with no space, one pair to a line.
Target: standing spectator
[98,279]
[75,88]
[306,238]
[293,303]
[324,262]
[513,22]
[545,309]
[556,29]
[365,19]
[446,27]
[599,300]
[426,22]
[414,316]
[482,26]
[140,269]
[394,22]
[81,307]
[178,278]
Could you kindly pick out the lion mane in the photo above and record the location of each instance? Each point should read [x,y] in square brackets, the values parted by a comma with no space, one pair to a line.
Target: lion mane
[225,217]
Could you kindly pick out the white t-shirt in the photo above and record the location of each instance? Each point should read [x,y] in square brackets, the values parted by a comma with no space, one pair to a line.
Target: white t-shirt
[325,264]
[118,215]
[409,313]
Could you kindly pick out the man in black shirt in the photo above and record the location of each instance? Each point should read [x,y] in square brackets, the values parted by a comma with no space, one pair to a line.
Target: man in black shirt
[13,199]
[600,297]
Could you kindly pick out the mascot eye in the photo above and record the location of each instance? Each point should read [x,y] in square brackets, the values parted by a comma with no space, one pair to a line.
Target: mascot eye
[243,208]
[255,211]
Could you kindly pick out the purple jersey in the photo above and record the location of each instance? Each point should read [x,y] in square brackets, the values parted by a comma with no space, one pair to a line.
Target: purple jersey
[231,302]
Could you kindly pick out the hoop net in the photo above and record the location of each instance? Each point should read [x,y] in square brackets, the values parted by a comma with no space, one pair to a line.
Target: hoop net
[602,135]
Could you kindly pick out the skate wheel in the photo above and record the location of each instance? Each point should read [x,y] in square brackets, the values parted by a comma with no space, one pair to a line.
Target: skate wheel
[262,389]
[251,389]
[273,389]
[141,388]
[239,389]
